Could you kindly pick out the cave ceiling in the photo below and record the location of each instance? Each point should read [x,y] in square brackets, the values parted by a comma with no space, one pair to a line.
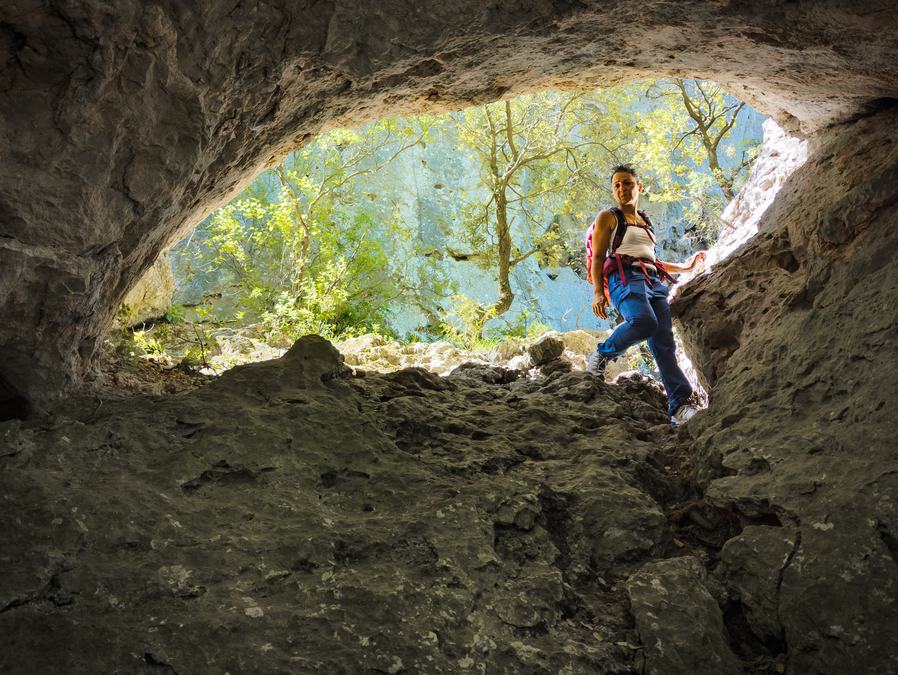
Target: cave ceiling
[123,124]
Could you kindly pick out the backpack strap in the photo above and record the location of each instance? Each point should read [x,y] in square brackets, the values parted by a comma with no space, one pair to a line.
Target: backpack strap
[619,230]
[650,229]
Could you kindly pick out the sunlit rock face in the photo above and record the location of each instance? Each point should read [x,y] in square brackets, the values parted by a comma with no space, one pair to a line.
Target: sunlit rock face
[779,156]
[123,125]
[152,296]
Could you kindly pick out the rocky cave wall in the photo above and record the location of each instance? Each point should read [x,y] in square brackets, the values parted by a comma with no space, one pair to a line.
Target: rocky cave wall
[124,124]
[796,340]
[534,538]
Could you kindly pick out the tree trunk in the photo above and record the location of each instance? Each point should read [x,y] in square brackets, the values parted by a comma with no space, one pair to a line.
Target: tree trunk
[306,243]
[725,185]
[506,295]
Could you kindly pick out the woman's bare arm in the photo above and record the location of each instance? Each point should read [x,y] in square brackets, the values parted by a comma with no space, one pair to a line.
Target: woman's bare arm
[677,268]
[601,238]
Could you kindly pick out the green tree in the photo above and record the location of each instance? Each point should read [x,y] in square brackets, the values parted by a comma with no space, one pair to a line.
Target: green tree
[312,252]
[535,168]
[714,115]
[686,144]
[320,244]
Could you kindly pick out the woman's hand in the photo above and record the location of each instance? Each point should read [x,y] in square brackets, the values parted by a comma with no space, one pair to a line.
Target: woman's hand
[698,260]
[599,304]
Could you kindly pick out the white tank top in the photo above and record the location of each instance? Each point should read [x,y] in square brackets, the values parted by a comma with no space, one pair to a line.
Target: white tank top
[637,243]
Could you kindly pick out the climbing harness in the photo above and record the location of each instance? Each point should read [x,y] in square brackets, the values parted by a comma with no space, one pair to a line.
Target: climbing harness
[615,262]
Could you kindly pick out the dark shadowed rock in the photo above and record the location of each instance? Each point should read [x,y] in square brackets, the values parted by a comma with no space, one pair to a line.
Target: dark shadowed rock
[442,524]
[556,366]
[753,565]
[314,358]
[680,624]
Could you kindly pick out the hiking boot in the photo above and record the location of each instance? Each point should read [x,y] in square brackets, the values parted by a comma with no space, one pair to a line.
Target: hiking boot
[683,414]
[595,365]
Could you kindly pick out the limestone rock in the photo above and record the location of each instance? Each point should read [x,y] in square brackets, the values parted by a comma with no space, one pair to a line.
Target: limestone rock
[412,512]
[544,350]
[779,157]
[144,141]
[802,376]
[752,565]
[680,624]
[507,350]
[313,359]
[284,496]
[375,352]
[152,295]
[555,366]
[580,342]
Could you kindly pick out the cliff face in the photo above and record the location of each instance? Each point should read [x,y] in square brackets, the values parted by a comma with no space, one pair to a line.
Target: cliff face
[123,126]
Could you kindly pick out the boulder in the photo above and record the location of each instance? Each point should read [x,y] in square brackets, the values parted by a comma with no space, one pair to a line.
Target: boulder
[545,349]
[679,622]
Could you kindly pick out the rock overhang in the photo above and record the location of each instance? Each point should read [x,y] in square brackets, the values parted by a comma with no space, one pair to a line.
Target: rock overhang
[125,126]
[139,122]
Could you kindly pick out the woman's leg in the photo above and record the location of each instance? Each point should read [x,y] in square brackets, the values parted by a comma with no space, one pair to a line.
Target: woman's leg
[665,352]
[639,324]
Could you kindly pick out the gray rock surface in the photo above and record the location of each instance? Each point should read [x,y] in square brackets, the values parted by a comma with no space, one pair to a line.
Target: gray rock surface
[679,622]
[288,517]
[545,349]
[795,335]
[752,565]
[124,125]
[278,521]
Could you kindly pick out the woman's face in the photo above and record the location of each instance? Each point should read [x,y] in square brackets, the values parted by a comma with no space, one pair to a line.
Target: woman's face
[625,188]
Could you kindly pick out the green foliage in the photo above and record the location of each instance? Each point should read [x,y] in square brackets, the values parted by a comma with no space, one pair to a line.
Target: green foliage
[303,250]
[525,325]
[198,347]
[686,149]
[146,343]
[174,314]
[126,316]
[640,358]
[465,321]
[328,242]
[533,167]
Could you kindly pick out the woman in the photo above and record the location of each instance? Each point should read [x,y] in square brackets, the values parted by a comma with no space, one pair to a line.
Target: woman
[635,282]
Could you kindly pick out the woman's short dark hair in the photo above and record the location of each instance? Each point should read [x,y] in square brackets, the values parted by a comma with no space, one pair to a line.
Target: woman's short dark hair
[624,168]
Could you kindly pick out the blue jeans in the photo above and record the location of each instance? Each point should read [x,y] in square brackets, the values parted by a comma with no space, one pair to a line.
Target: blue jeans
[646,317]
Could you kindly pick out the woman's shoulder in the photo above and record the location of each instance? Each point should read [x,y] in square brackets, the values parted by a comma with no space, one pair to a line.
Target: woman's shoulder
[604,222]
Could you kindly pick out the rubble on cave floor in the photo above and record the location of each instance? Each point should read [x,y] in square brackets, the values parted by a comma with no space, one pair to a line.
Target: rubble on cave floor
[212,350]
[293,516]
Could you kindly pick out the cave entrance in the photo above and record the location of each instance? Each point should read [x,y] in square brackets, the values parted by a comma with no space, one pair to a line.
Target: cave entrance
[463,228]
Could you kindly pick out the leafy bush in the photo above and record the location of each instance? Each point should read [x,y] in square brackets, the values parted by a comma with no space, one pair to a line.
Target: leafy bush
[147,344]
